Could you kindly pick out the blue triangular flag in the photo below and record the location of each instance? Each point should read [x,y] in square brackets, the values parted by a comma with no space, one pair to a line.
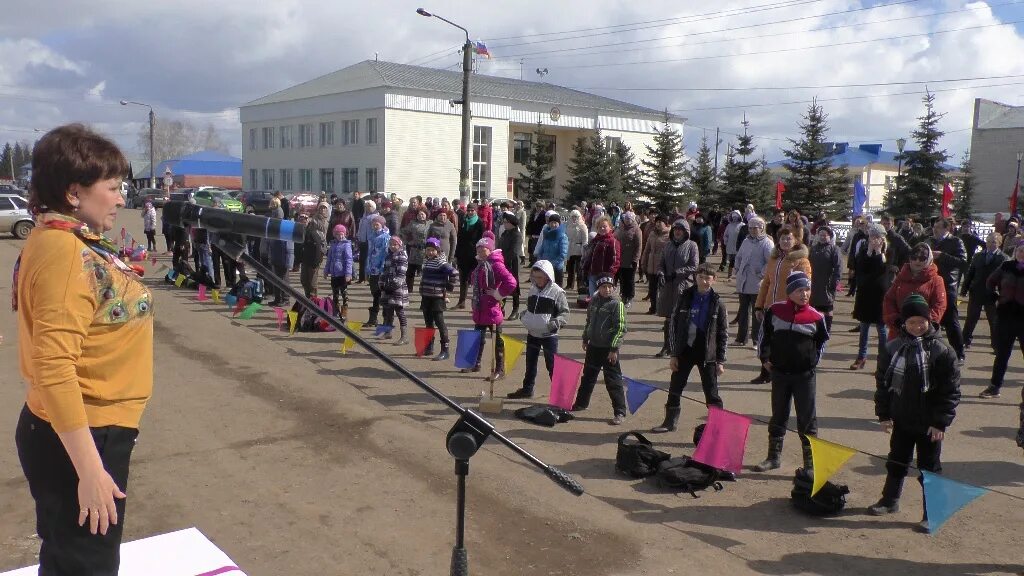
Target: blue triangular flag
[231,300]
[383,329]
[636,394]
[468,348]
[944,497]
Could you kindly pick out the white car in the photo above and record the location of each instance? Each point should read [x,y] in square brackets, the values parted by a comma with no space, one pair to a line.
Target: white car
[14,216]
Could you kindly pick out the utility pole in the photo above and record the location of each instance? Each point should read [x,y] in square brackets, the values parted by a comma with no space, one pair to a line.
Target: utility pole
[717,142]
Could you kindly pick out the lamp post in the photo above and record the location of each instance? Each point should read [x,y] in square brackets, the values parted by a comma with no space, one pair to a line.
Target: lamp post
[1016,187]
[152,121]
[467,66]
[900,143]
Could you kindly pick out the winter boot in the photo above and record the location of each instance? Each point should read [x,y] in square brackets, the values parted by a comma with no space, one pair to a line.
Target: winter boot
[429,351]
[462,298]
[514,314]
[671,418]
[372,322]
[343,313]
[402,339]
[774,459]
[443,355]
[889,503]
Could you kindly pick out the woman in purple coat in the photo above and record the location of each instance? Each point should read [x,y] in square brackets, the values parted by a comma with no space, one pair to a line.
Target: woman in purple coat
[491,282]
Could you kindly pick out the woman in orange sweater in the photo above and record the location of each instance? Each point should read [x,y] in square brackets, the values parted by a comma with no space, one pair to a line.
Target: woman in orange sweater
[788,257]
[85,339]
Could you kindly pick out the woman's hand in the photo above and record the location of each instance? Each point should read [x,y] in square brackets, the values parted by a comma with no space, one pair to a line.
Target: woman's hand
[96,493]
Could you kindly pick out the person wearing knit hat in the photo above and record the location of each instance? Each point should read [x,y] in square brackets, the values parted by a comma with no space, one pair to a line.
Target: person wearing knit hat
[338,267]
[394,291]
[491,283]
[793,336]
[379,238]
[510,242]
[917,393]
[439,277]
[486,242]
[602,337]
[553,245]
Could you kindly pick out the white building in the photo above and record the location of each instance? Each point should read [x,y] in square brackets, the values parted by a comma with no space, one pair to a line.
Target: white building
[997,136]
[381,126]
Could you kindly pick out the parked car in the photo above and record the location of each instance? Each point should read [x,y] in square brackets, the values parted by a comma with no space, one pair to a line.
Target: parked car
[217,198]
[155,195]
[12,189]
[183,195]
[14,215]
[258,200]
[303,203]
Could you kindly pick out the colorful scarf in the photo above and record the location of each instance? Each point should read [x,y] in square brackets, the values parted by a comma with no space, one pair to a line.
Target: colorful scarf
[486,269]
[911,358]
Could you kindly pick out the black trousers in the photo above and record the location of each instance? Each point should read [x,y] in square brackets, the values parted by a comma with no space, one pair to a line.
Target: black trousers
[571,268]
[652,292]
[694,357]
[364,250]
[151,240]
[375,293]
[531,245]
[339,287]
[168,242]
[799,389]
[596,361]
[902,445]
[499,346]
[627,283]
[746,317]
[974,308]
[560,277]
[222,260]
[433,316]
[410,276]
[950,321]
[1009,331]
[66,548]
[534,346]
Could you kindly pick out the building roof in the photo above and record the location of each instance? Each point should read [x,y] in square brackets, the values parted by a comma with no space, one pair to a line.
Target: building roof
[863,155]
[989,114]
[380,74]
[204,163]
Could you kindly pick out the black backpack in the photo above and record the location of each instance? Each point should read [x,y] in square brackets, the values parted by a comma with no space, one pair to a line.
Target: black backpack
[829,501]
[544,415]
[687,475]
[638,458]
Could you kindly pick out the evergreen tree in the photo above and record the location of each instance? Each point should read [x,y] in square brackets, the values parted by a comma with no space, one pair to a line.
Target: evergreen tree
[664,166]
[923,174]
[625,179]
[742,174]
[5,162]
[588,171]
[813,183]
[537,180]
[764,185]
[963,193]
[701,177]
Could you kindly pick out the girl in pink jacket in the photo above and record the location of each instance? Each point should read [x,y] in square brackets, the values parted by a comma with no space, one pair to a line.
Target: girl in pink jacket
[491,282]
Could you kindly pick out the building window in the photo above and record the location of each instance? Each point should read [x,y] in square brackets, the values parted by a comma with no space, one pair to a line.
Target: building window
[888,182]
[481,162]
[371,179]
[268,179]
[252,138]
[326,134]
[521,142]
[371,131]
[349,180]
[286,136]
[327,180]
[549,141]
[254,182]
[305,135]
[268,137]
[306,178]
[286,179]
[611,143]
[349,132]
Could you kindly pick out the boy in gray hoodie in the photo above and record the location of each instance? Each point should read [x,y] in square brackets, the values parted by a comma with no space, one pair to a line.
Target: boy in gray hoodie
[547,310]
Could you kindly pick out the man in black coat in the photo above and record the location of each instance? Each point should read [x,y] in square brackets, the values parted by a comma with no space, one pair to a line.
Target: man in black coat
[897,251]
[950,257]
[982,266]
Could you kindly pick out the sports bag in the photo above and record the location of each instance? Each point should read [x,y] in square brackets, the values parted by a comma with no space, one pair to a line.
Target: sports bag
[637,458]
[310,322]
[251,290]
[829,501]
[683,474]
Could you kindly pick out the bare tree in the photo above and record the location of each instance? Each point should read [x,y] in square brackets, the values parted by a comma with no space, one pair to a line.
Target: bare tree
[176,138]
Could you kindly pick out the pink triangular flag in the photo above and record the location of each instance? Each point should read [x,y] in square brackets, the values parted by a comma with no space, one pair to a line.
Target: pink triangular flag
[280,316]
[152,260]
[565,378]
[202,297]
[724,440]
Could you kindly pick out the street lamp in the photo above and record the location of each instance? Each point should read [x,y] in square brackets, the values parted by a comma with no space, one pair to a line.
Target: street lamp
[900,143]
[1016,187]
[152,121]
[467,66]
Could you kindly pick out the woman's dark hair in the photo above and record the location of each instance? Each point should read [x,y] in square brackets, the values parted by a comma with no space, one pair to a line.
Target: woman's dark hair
[66,155]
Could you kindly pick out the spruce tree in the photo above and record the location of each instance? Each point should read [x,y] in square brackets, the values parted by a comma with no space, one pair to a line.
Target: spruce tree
[625,179]
[963,193]
[5,162]
[920,185]
[588,171]
[701,177]
[537,180]
[664,166]
[813,183]
[742,174]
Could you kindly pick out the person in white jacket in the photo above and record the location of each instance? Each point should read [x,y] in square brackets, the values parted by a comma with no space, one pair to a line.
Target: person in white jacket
[578,235]
[732,237]
[547,311]
[751,259]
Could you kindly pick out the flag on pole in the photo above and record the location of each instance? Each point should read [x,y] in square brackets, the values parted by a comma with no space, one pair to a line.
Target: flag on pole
[422,339]
[179,280]
[828,458]
[565,378]
[201,296]
[860,197]
[1013,199]
[293,321]
[481,49]
[279,312]
[636,394]
[249,311]
[240,305]
[947,200]
[216,295]
[467,348]
[349,342]
[944,497]
[780,189]
[724,440]
[383,329]
[513,350]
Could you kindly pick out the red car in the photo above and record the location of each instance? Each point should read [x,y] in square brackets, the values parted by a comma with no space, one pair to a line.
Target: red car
[303,203]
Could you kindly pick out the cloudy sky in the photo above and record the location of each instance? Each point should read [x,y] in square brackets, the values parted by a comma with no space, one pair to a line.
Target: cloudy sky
[63,61]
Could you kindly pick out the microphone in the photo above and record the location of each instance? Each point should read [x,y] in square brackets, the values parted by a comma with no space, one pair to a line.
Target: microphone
[183,214]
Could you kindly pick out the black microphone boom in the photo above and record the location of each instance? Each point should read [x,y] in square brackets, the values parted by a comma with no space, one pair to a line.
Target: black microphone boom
[179,213]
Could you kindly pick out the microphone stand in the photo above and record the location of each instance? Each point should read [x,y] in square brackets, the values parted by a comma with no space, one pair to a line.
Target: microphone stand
[464,439]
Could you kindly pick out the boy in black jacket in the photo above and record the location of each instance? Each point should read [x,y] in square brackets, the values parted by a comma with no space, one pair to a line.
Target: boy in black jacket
[917,392]
[793,335]
[698,336]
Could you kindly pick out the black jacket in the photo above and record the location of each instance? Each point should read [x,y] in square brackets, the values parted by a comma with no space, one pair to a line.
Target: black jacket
[791,337]
[982,266]
[952,260]
[716,329]
[911,407]
[897,252]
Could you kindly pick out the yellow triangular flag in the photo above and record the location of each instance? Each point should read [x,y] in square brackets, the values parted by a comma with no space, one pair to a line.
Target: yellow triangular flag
[513,350]
[350,343]
[828,458]
[216,295]
[293,321]
[179,280]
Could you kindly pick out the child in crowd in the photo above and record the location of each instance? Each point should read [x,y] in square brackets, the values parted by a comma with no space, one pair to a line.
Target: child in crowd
[602,335]
[917,393]
[378,239]
[547,311]
[339,268]
[698,336]
[149,226]
[438,278]
[491,282]
[394,293]
[793,335]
